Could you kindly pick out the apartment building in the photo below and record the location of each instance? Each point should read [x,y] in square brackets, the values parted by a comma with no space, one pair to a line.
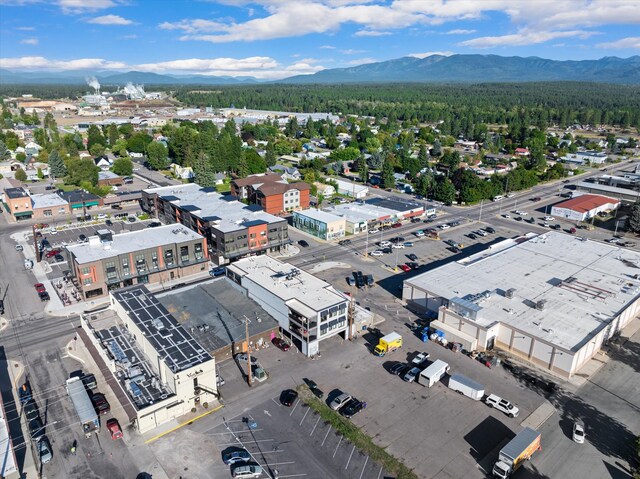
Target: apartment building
[274,194]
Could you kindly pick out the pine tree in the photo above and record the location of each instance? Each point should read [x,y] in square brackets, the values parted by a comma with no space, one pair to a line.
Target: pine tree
[633,220]
[57,168]
[388,180]
[202,171]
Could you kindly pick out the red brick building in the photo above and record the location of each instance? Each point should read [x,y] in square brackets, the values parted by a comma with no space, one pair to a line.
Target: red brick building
[272,193]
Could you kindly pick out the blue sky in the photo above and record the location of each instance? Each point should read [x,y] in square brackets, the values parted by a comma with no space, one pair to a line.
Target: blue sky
[272,39]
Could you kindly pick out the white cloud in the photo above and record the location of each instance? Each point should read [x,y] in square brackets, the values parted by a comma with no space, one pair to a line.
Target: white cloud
[460,31]
[42,63]
[328,47]
[110,20]
[428,54]
[193,26]
[213,64]
[524,37]
[362,61]
[351,51]
[30,41]
[26,29]
[81,6]
[629,42]
[371,33]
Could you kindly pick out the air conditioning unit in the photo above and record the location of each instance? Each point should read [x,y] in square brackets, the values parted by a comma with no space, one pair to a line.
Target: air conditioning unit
[540,304]
[510,292]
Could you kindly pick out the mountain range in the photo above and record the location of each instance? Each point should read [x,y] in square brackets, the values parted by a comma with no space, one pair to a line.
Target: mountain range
[431,69]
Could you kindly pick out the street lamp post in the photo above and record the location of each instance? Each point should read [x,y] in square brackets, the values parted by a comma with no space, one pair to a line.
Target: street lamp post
[480,216]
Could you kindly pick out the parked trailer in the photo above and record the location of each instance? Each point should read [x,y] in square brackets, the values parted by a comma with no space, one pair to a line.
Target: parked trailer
[466,386]
[83,405]
[518,450]
[433,373]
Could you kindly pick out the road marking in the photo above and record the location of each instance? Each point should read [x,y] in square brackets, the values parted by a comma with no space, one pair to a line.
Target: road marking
[325,436]
[334,452]
[365,465]
[350,456]
[294,407]
[291,475]
[305,415]
[276,402]
[267,413]
[236,443]
[315,425]
[183,424]
[380,473]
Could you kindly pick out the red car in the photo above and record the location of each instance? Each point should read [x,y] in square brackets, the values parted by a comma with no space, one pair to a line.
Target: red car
[52,253]
[396,225]
[405,268]
[40,287]
[114,428]
[281,344]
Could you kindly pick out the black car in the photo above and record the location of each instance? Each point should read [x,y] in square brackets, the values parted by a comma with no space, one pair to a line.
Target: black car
[58,258]
[44,296]
[100,403]
[412,257]
[518,218]
[31,410]
[472,236]
[353,407]
[24,392]
[82,238]
[131,219]
[413,265]
[344,242]
[489,229]
[219,271]
[303,243]
[154,224]
[387,250]
[36,429]
[398,369]
[108,223]
[288,397]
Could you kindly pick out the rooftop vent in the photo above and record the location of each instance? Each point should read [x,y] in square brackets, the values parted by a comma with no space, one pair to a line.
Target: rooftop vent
[540,304]
[510,292]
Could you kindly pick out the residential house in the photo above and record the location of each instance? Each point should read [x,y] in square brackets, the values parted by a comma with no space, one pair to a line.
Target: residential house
[289,173]
[182,172]
[104,162]
[522,152]
[32,149]
[325,190]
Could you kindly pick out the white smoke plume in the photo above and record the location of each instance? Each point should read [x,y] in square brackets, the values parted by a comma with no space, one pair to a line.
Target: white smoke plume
[93,83]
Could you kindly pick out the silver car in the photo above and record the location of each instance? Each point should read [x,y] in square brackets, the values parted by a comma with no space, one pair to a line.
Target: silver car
[44,448]
[340,401]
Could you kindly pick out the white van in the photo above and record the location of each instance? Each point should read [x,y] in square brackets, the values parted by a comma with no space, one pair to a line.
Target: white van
[497,197]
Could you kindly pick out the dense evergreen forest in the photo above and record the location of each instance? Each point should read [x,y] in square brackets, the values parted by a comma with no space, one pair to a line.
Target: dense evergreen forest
[539,104]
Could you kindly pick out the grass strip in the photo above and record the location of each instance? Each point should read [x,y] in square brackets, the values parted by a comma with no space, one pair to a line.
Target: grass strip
[358,438]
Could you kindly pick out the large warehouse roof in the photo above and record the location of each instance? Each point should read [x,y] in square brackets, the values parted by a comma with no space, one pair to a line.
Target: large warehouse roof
[586,203]
[563,289]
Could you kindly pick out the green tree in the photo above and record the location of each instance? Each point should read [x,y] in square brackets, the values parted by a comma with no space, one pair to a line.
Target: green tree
[57,168]
[21,157]
[138,142]
[120,147]
[123,166]
[423,156]
[94,136]
[633,220]
[255,163]
[270,155]
[97,150]
[113,134]
[157,155]
[423,184]
[437,148]
[5,154]
[363,170]
[40,174]
[202,171]
[20,175]
[345,154]
[81,170]
[388,180]
[444,191]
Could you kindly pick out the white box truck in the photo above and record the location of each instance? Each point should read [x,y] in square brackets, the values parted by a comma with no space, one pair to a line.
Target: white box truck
[433,373]
[466,386]
[518,450]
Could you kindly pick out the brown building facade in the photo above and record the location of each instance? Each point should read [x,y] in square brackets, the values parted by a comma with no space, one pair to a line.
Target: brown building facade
[272,193]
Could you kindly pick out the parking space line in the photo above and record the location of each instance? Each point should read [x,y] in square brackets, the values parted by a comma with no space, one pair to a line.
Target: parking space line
[380,473]
[366,460]
[350,456]
[276,402]
[315,425]
[291,475]
[334,452]
[294,407]
[305,415]
[325,436]
[236,443]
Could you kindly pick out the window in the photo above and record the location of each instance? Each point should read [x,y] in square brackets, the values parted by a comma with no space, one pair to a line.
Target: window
[184,254]
[87,281]
[168,257]
[125,267]
[198,250]
[241,237]
[154,260]
[61,211]
[47,213]
[252,235]
[111,270]
[86,271]
[141,263]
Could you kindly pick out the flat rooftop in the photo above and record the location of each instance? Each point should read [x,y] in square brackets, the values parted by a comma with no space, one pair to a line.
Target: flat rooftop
[135,371]
[132,241]
[50,200]
[586,203]
[302,290]
[227,213]
[177,348]
[397,204]
[319,215]
[7,454]
[584,285]
[214,313]
[358,212]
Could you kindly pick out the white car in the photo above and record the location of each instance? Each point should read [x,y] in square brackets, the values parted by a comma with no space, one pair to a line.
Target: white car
[511,195]
[546,225]
[420,358]
[377,252]
[503,405]
[549,218]
[578,433]
[385,244]
[53,231]
[374,230]
[444,227]
[398,246]
[419,233]
[507,215]
[482,233]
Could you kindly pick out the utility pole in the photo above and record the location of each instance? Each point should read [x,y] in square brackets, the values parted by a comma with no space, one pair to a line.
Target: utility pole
[351,313]
[366,245]
[249,372]
[480,216]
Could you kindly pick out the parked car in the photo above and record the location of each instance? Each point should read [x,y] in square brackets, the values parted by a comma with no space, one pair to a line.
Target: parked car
[444,227]
[413,265]
[339,401]
[578,433]
[377,252]
[59,258]
[36,429]
[220,271]
[412,257]
[219,380]
[411,375]
[398,369]
[24,393]
[398,246]
[482,233]
[82,239]
[100,403]
[503,405]
[154,224]
[242,358]
[19,247]
[420,358]
[489,229]
[131,219]
[246,470]
[113,426]
[288,397]
[303,243]
[44,296]
[549,218]
[396,225]
[52,253]
[44,450]
[39,287]
[30,409]
[405,268]
[108,223]
[281,344]
[374,230]
[344,242]
[236,455]
[352,408]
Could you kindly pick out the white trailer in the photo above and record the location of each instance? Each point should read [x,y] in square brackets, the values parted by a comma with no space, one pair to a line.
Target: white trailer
[433,373]
[466,386]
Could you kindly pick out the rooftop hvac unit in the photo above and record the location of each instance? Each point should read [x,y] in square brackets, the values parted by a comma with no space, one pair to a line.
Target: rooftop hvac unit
[540,304]
[510,292]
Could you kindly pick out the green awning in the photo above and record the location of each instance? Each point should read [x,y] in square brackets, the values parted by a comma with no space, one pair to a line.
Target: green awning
[91,203]
[23,213]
